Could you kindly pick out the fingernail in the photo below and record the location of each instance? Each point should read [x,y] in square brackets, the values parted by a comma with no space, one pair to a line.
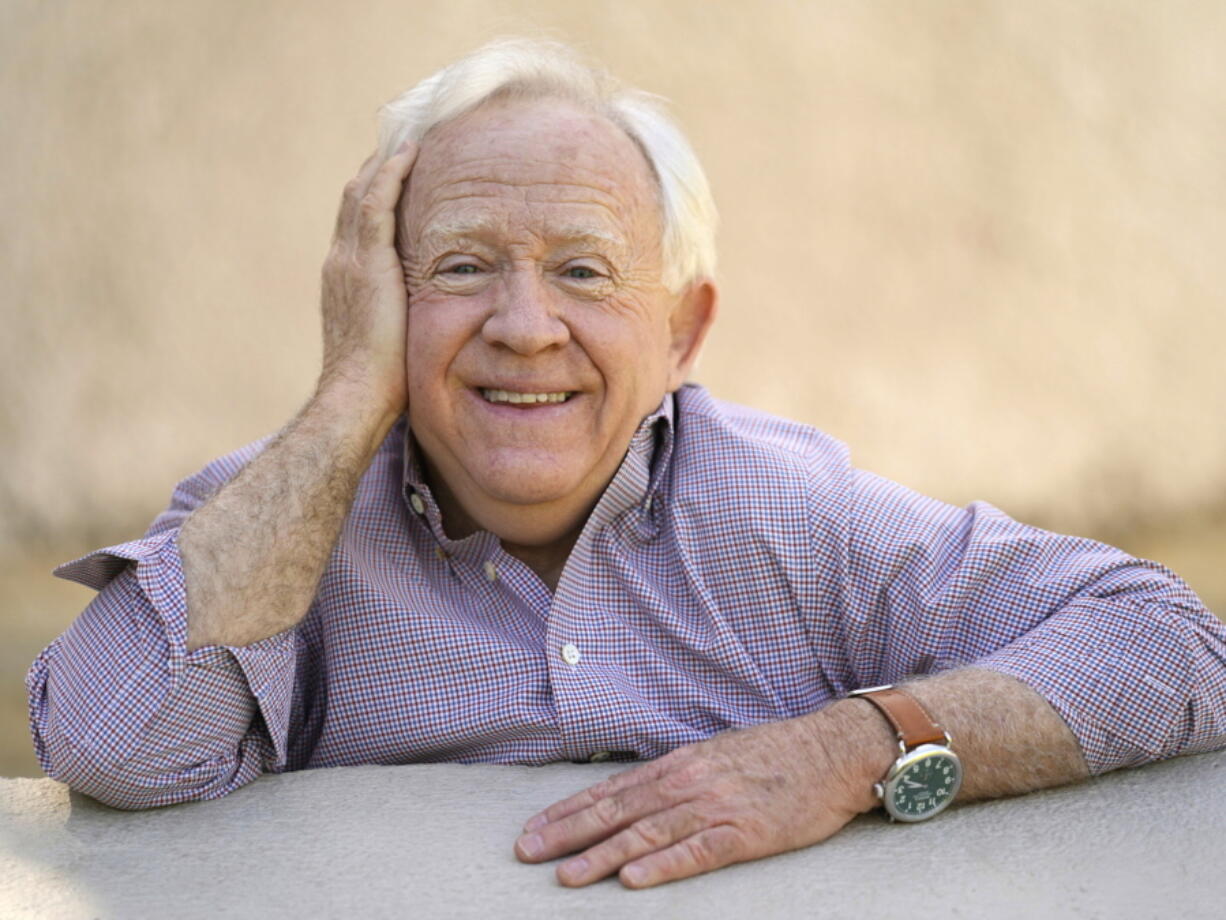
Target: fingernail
[536,821]
[635,875]
[531,845]
[574,868]
[404,145]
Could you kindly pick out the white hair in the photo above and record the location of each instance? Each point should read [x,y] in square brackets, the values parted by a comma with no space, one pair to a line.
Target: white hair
[533,69]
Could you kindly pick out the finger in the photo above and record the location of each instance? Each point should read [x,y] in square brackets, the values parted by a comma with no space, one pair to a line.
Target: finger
[704,851]
[355,188]
[644,773]
[647,835]
[377,212]
[599,821]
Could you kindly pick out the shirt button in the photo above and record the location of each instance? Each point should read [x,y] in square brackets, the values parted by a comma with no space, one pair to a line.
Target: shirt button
[600,757]
[418,505]
[570,654]
[491,571]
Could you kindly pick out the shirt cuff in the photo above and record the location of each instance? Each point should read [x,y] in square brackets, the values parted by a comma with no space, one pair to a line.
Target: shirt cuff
[268,666]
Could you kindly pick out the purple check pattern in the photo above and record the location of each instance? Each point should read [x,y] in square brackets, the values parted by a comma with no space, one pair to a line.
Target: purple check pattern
[736,570]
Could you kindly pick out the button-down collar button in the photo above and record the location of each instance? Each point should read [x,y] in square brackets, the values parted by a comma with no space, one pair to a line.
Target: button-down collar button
[418,505]
[570,654]
[600,757]
[647,504]
[440,552]
[491,571]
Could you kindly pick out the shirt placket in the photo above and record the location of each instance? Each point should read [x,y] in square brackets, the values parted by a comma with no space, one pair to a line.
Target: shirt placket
[578,610]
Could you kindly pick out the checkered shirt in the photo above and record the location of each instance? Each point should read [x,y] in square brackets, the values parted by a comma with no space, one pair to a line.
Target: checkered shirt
[736,570]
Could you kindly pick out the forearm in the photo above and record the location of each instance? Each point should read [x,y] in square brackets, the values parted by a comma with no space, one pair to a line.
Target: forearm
[1009,739]
[254,553]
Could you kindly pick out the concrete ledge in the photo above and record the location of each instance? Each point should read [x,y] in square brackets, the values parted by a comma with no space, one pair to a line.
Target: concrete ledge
[435,841]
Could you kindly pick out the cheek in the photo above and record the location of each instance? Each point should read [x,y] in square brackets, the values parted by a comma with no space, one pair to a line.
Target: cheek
[630,343]
[438,329]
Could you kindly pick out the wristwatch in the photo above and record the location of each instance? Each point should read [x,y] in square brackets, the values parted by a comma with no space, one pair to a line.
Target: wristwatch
[924,779]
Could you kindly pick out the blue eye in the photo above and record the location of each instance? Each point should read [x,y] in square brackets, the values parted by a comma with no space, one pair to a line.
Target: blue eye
[580,271]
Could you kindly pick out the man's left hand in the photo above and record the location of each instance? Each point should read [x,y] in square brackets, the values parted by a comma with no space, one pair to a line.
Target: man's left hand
[738,796]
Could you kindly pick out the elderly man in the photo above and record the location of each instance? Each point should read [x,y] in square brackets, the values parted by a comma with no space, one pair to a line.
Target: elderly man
[503,529]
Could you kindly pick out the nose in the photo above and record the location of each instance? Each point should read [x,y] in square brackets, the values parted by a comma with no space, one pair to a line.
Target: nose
[525,315]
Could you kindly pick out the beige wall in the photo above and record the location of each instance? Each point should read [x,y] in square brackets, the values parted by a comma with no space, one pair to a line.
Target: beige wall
[980,241]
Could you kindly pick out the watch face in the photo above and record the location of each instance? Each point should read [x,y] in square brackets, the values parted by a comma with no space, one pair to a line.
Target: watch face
[923,783]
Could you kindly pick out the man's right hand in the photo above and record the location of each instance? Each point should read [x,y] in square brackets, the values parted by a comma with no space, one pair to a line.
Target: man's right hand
[365,303]
[254,553]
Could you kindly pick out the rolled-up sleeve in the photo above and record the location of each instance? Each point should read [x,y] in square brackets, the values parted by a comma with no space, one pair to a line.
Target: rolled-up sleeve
[1120,647]
[120,710]
[1135,680]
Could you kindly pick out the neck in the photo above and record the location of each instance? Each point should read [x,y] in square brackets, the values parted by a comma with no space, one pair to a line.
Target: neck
[547,561]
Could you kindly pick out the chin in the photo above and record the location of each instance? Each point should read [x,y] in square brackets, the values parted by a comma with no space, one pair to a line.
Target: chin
[532,480]
[525,508]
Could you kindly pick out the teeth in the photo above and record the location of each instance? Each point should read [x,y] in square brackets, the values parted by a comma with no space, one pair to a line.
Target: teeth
[496,396]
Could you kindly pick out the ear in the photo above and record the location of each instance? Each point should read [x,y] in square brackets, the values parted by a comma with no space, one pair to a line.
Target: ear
[689,323]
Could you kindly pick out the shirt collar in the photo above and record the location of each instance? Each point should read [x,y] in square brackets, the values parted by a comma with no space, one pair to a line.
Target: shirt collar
[635,482]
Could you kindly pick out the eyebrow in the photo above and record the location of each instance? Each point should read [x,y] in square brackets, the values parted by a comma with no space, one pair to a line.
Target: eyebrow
[481,230]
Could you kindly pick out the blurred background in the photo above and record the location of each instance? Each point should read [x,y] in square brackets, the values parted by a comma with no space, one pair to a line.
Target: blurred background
[982,242]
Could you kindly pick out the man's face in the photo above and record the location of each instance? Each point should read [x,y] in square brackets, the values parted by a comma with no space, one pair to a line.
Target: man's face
[539,332]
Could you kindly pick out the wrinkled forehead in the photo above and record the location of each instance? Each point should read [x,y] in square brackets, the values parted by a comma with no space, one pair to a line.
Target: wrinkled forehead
[546,161]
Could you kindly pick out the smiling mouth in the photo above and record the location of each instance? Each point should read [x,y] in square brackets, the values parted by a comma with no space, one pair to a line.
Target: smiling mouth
[525,399]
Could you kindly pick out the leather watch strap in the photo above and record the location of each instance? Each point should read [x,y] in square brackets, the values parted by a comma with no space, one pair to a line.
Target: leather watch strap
[909,718]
